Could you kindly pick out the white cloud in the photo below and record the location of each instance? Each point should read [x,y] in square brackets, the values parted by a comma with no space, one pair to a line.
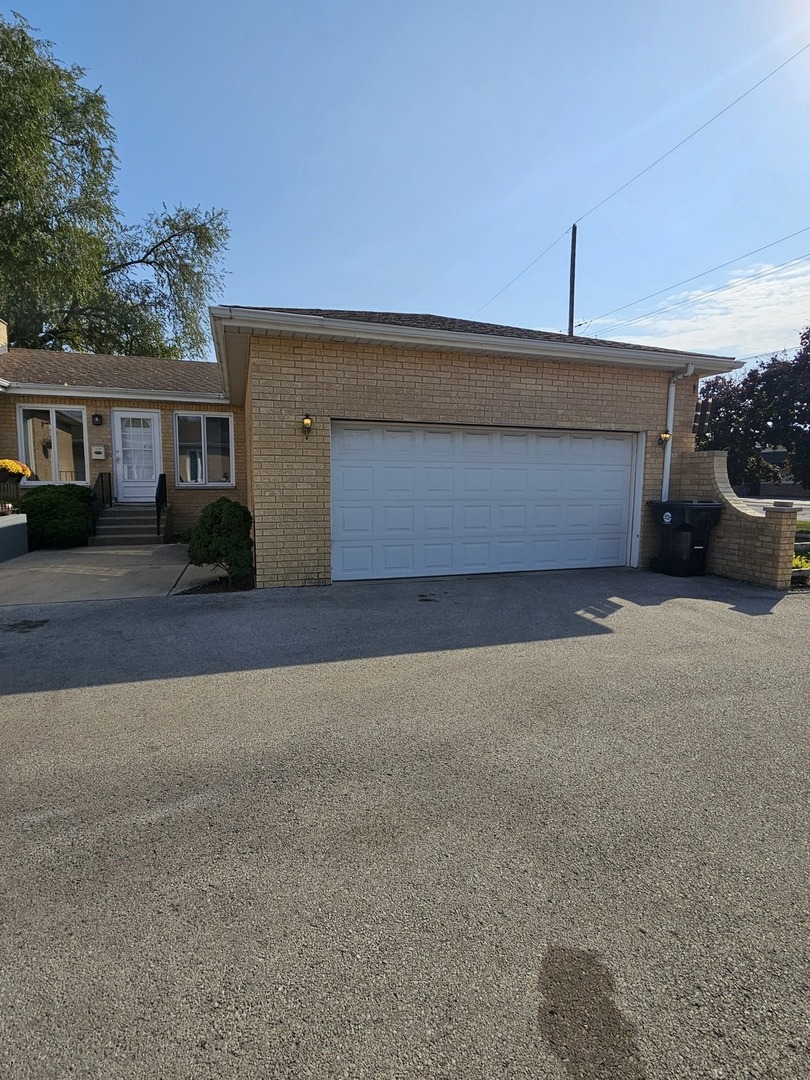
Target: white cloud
[762,309]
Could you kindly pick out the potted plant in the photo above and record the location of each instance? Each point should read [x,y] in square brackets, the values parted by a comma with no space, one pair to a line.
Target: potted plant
[12,472]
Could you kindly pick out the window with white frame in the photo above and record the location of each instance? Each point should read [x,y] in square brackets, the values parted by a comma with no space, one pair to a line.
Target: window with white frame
[204,449]
[53,444]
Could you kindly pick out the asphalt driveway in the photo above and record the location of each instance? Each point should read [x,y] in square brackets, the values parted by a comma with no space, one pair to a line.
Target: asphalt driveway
[543,825]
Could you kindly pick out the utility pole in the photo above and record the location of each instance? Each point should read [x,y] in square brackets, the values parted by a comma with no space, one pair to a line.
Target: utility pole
[572,281]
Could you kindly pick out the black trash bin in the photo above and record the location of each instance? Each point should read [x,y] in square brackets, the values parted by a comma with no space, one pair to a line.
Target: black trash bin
[684,526]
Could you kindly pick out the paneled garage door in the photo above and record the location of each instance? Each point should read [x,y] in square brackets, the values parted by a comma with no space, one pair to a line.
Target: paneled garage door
[413,500]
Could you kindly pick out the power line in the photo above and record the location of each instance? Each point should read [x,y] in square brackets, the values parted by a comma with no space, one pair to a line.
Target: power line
[697,131]
[522,272]
[685,281]
[768,352]
[638,175]
[709,292]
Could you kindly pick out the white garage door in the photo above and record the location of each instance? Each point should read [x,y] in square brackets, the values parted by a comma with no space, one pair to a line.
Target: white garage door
[413,500]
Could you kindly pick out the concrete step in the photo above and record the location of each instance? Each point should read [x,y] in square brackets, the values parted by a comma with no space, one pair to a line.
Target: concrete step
[127,515]
[111,530]
[122,541]
[122,526]
[132,526]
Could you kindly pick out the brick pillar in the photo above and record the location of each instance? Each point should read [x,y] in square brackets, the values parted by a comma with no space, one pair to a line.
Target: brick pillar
[780,525]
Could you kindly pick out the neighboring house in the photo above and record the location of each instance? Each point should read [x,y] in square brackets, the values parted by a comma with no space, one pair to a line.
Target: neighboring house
[431,446]
[72,416]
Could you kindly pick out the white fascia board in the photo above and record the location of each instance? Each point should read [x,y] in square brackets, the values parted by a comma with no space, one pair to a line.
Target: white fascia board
[218,334]
[60,390]
[576,351]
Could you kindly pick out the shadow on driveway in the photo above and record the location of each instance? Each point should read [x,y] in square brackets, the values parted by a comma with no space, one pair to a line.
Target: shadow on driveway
[51,647]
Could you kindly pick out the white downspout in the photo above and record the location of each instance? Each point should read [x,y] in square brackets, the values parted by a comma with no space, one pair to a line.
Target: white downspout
[687,371]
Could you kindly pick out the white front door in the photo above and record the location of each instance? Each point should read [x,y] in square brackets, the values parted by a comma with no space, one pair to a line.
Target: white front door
[414,500]
[136,449]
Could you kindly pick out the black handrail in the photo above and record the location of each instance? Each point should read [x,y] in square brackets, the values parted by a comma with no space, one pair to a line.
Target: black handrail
[160,499]
[101,497]
[9,492]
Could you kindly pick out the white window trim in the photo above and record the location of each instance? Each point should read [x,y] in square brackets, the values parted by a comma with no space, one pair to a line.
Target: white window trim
[61,406]
[178,483]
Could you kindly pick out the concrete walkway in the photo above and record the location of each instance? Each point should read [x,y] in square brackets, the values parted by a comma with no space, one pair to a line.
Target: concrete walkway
[99,573]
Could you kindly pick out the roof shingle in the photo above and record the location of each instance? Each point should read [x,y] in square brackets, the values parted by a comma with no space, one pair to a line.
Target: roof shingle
[460,326]
[150,374]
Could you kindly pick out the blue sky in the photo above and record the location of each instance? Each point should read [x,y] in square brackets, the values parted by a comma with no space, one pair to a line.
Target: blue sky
[417,156]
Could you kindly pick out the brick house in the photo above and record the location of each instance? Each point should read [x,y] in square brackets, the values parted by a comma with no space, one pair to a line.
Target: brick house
[74,416]
[431,445]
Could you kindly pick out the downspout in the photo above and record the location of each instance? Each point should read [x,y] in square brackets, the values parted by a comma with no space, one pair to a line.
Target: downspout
[687,371]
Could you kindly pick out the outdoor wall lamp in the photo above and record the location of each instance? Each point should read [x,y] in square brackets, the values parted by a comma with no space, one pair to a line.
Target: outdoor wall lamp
[306,425]
[97,419]
[664,438]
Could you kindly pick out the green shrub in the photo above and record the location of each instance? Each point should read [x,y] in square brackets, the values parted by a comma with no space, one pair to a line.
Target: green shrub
[58,515]
[221,537]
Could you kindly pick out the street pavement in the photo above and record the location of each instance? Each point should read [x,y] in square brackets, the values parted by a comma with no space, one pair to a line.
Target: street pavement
[528,826]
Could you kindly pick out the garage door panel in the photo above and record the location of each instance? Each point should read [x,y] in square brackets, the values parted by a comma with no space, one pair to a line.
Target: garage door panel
[513,481]
[476,444]
[398,519]
[353,522]
[440,445]
[580,516]
[476,518]
[353,439]
[515,446]
[545,554]
[547,516]
[579,551]
[583,482]
[475,557]
[438,481]
[397,480]
[476,481]
[355,480]
[611,516]
[438,518]
[412,500]
[399,558]
[512,517]
[548,447]
[398,441]
[438,558]
[608,550]
[546,480]
[511,554]
[616,450]
[352,560]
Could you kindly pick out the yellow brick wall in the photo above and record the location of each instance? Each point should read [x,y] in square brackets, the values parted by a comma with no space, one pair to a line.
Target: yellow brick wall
[335,380]
[186,503]
[745,545]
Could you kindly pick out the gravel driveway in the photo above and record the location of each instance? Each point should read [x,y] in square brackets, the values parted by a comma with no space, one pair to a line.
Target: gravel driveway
[541,826]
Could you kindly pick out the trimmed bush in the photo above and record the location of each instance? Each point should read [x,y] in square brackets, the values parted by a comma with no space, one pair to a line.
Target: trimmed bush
[58,516]
[221,537]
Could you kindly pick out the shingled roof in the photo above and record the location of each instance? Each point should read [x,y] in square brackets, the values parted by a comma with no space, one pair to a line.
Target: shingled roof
[460,326]
[149,374]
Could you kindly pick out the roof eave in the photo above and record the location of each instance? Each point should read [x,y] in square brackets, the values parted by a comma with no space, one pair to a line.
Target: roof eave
[61,390]
[278,323]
